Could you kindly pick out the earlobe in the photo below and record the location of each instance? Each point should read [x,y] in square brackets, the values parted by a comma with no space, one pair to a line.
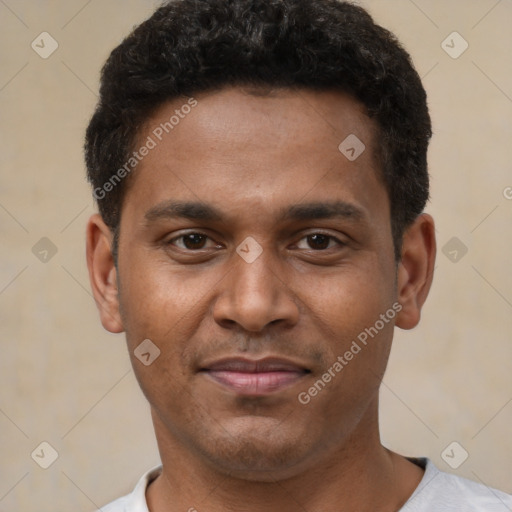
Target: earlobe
[415,270]
[103,274]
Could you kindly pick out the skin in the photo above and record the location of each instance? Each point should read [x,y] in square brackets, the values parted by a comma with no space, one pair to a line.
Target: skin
[305,298]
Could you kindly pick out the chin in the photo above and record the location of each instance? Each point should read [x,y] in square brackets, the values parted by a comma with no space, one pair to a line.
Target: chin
[258,454]
[250,462]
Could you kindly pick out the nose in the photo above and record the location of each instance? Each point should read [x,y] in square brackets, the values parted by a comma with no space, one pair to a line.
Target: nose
[254,295]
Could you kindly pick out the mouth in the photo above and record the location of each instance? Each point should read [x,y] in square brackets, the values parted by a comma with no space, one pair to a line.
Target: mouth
[255,377]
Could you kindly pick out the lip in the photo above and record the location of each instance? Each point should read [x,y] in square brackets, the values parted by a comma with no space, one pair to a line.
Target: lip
[255,377]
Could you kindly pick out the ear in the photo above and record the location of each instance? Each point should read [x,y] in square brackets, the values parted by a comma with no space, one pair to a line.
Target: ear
[416,270]
[102,273]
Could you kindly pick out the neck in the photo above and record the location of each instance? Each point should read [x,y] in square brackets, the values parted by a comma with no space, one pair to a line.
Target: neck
[359,475]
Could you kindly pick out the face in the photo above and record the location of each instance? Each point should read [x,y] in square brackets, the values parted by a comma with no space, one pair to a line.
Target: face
[258,259]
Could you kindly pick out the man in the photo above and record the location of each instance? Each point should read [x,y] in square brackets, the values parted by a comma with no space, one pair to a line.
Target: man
[260,170]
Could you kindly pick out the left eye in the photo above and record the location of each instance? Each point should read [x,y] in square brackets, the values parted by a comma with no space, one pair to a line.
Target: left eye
[319,241]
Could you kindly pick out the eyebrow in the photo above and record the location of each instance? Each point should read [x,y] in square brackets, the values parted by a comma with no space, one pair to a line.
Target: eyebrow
[307,211]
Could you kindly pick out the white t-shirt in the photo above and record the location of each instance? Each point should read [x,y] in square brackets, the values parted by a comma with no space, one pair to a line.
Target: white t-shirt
[437,492]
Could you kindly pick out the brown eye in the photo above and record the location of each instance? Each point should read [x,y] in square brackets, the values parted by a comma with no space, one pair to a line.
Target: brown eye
[194,241]
[190,241]
[320,242]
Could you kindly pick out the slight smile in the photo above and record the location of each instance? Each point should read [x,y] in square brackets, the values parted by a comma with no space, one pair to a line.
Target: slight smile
[255,377]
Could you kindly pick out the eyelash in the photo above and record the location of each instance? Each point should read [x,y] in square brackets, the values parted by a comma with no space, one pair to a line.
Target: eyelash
[330,237]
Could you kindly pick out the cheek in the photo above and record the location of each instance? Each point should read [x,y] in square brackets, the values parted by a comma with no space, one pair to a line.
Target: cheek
[354,317]
[348,300]
[155,298]
[161,305]
[351,314]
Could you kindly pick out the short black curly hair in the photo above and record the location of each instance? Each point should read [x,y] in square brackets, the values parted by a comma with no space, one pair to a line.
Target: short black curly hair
[190,46]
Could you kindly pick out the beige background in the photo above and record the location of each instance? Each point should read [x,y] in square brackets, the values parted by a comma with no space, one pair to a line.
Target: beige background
[68,382]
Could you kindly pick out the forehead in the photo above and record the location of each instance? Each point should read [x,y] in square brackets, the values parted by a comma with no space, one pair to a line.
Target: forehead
[237,147]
